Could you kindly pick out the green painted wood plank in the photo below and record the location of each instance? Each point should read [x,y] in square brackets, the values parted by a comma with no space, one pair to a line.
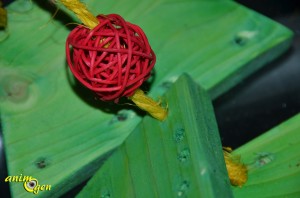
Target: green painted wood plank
[180,157]
[47,116]
[274,161]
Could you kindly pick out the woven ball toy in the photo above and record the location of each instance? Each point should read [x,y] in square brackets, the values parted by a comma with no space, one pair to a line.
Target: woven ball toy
[113,59]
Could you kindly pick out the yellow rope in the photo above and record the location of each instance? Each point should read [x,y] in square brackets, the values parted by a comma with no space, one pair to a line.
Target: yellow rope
[237,171]
[147,104]
[139,98]
[81,12]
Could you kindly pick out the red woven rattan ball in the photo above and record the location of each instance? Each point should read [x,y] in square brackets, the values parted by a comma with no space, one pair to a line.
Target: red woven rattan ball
[113,59]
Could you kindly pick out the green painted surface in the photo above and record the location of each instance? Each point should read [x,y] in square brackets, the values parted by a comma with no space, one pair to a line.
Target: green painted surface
[49,118]
[180,157]
[274,161]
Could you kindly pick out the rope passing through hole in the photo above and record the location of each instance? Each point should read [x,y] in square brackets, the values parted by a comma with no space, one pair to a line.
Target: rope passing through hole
[237,171]
[111,57]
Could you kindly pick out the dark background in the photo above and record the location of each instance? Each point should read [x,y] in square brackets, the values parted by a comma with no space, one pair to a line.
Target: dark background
[262,101]
[269,96]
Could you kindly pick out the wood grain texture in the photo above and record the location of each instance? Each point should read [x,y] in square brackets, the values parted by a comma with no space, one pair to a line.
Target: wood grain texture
[180,157]
[274,161]
[47,115]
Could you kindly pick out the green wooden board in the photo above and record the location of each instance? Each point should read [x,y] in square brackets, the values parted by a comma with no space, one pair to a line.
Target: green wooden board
[180,157]
[48,119]
[274,161]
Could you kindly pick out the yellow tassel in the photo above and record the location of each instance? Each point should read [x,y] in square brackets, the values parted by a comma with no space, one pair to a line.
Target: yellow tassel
[147,104]
[81,12]
[139,98]
[237,171]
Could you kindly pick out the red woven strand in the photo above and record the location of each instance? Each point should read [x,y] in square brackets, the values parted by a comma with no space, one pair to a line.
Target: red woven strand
[113,59]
